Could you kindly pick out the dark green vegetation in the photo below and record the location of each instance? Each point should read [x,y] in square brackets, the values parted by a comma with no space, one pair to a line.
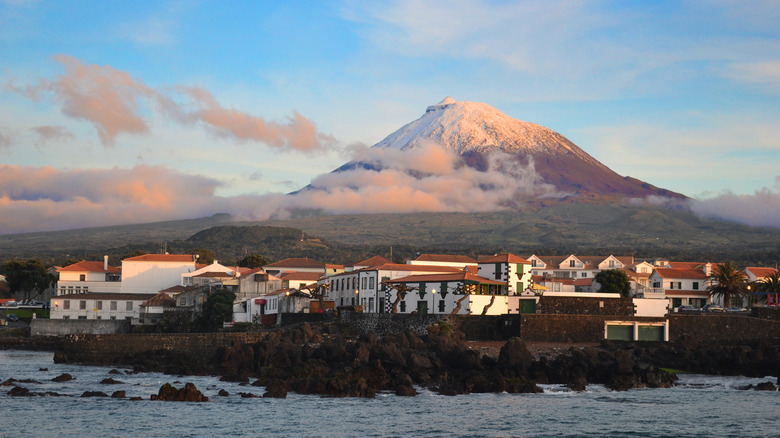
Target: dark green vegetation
[614,281]
[217,309]
[28,277]
[555,229]
[730,284]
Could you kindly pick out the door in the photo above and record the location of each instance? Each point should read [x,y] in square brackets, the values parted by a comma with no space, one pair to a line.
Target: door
[422,307]
[620,332]
[527,306]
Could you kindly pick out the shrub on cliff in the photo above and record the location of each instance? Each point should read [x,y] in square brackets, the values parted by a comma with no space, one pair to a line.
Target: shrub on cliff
[217,309]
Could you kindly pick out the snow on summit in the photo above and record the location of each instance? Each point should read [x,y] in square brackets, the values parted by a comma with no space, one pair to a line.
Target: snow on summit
[464,126]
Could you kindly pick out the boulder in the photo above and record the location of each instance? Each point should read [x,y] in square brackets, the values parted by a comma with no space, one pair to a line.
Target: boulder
[110,381]
[20,391]
[94,394]
[118,394]
[276,389]
[189,394]
[63,378]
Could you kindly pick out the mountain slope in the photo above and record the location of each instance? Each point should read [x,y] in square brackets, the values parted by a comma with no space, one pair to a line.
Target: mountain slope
[475,130]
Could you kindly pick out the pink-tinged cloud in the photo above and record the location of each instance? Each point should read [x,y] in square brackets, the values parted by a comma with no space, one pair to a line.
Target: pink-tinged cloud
[298,133]
[115,103]
[51,133]
[762,208]
[37,199]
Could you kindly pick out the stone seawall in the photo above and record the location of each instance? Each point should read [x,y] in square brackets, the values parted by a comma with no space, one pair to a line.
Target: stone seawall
[695,329]
[115,349]
[384,324]
[585,306]
[62,327]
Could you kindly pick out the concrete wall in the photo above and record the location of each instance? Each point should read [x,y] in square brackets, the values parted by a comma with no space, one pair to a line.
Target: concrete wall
[569,328]
[60,327]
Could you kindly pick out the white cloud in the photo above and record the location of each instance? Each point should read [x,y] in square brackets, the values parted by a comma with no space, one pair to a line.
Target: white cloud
[761,208]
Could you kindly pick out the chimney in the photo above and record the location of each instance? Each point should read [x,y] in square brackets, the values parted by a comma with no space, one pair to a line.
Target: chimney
[105,263]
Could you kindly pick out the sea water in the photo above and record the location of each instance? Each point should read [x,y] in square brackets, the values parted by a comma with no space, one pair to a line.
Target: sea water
[699,406]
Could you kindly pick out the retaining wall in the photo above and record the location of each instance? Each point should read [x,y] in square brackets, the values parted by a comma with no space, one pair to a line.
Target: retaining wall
[61,327]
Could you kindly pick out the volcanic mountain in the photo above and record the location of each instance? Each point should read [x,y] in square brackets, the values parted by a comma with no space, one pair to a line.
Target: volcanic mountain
[474,130]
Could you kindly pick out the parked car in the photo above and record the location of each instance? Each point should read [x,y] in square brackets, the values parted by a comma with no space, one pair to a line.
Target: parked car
[736,309]
[688,309]
[712,308]
[12,317]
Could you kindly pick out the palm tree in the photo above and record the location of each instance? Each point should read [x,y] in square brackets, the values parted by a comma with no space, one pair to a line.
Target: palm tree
[729,282]
[770,284]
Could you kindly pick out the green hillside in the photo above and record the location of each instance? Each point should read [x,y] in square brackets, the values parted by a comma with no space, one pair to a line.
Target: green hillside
[557,229]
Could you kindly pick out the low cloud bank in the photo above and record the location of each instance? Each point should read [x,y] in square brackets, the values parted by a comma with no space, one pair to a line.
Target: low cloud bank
[116,103]
[425,179]
[762,208]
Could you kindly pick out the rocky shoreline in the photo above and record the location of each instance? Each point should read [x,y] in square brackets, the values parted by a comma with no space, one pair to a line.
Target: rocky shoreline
[323,360]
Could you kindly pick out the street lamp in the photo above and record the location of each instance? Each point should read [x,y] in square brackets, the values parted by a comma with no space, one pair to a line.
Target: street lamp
[433,304]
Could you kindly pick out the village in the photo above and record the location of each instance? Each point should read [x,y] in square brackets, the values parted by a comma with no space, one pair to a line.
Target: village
[145,287]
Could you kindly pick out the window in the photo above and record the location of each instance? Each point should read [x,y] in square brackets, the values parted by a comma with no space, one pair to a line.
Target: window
[611,263]
[497,271]
[82,304]
[571,263]
[129,306]
[66,304]
[671,285]
[82,316]
[584,275]
[99,317]
[66,317]
[182,301]
[384,279]
[113,318]
[695,285]
[82,277]
[403,306]
[364,283]
[679,285]
[533,263]
[99,305]
[441,306]
[370,282]
[113,305]
[656,284]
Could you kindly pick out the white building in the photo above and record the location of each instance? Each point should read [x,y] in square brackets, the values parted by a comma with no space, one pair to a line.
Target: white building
[295,265]
[680,286]
[460,293]
[86,276]
[151,273]
[515,272]
[573,266]
[366,287]
[98,306]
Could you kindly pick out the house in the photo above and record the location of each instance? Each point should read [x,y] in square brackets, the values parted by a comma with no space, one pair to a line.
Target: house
[459,293]
[96,305]
[257,282]
[295,264]
[150,273]
[639,276]
[367,263]
[453,261]
[512,270]
[268,308]
[89,276]
[299,280]
[368,287]
[573,266]
[680,286]
[759,275]
[152,309]
[755,274]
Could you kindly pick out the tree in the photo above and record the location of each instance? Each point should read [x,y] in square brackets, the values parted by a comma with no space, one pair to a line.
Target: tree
[217,309]
[205,256]
[614,281]
[770,284]
[28,277]
[729,282]
[253,261]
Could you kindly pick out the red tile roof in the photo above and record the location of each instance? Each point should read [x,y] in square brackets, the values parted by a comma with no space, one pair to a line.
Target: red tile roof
[86,266]
[505,258]
[405,267]
[297,263]
[160,300]
[761,272]
[373,261]
[104,296]
[306,276]
[214,275]
[447,258]
[685,265]
[438,278]
[162,258]
[680,273]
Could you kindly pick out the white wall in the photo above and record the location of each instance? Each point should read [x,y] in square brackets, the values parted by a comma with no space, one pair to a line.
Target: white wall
[651,307]
[152,277]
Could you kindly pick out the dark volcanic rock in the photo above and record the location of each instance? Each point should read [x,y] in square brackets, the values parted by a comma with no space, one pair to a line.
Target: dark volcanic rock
[276,389]
[766,386]
[189,394]
[247,395]
[62,378]
[20,391]
[114,371]
[223,393]
[110,381]
[118,394]
[94,394]
[9,382]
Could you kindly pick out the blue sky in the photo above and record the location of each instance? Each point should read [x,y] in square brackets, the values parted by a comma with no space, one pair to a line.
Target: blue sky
[251,98]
